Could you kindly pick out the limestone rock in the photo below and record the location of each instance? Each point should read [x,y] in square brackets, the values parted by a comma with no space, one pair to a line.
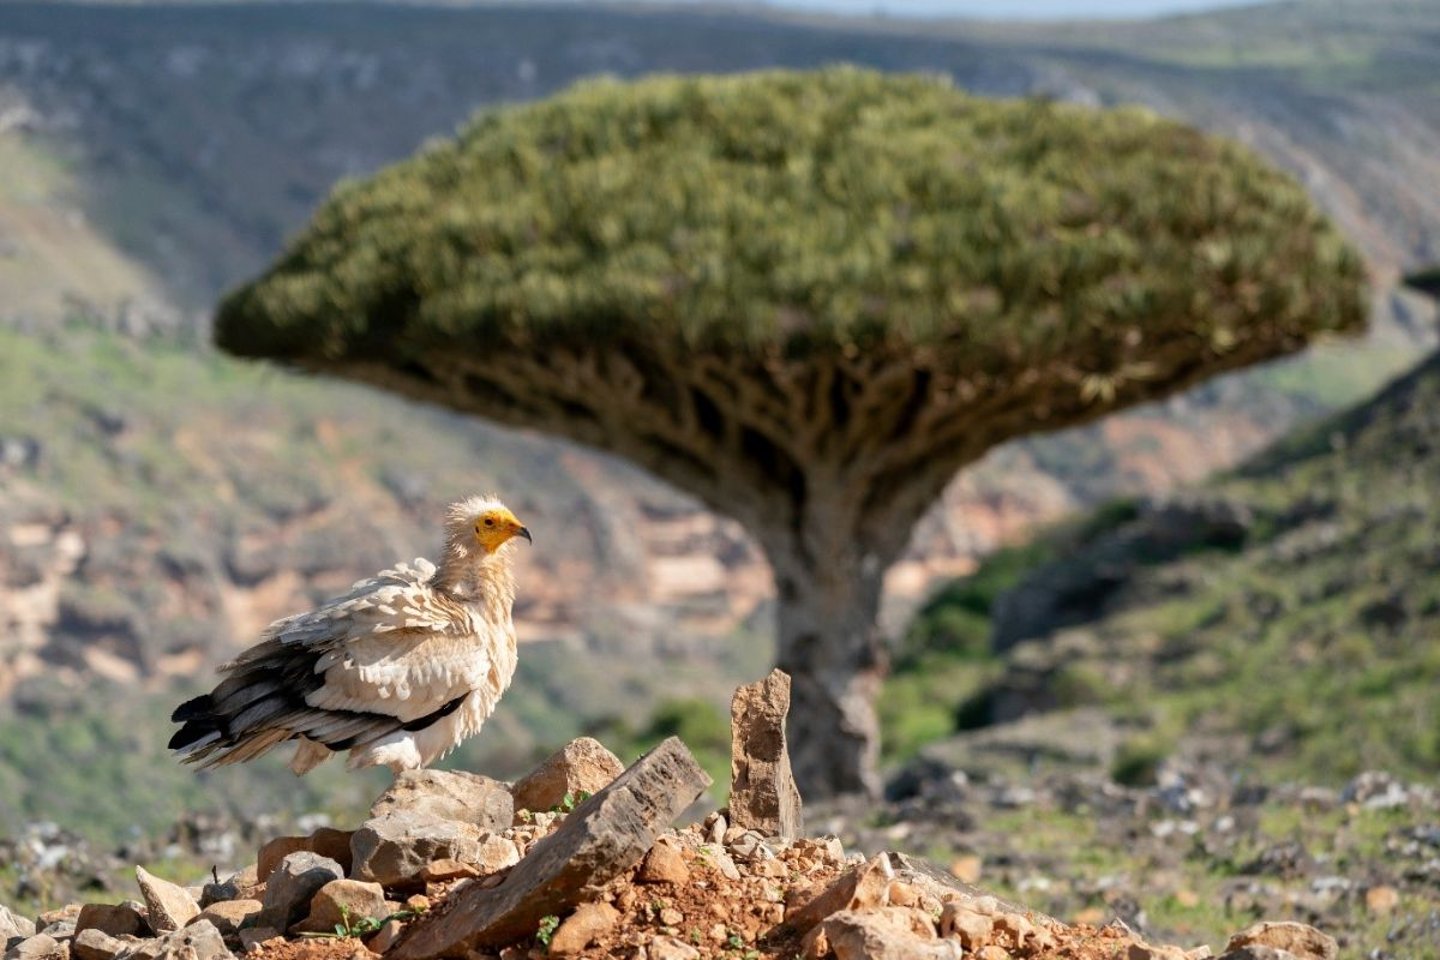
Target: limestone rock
[395,847]
[885,934]
[92,943]
[439,871]
[229,916]
[588,923]
[763,795]
[276,850]
[14,925]
[672,948]
[603,838]
[1258,951]
[386,937]
[332,843]
[169,906]
[252,937]
[862,886]
[293,883]
[664,864]
[495,853]
[39,947]
[125,919]
[344,901]
[1301,939]
[199,941]
[581,766]
[449,795]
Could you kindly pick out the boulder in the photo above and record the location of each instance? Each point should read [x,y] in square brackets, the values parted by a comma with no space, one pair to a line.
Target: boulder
[664,864]
[582,766]
[39,947]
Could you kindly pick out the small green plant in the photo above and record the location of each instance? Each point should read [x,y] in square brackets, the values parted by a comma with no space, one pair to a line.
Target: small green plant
[546,931]
[570,801]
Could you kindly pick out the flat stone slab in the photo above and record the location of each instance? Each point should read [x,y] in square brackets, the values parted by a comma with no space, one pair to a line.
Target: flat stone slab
[605,836]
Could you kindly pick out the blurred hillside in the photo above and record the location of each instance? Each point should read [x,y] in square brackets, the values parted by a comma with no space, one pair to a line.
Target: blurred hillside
[1279,620]
[159,504]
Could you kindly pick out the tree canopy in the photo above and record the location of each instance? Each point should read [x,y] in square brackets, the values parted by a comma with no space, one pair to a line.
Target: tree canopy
[794,212]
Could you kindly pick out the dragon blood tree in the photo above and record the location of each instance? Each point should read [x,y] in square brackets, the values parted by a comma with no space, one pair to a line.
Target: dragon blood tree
[808,299]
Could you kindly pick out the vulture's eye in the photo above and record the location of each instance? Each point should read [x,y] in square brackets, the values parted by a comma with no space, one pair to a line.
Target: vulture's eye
[489,521]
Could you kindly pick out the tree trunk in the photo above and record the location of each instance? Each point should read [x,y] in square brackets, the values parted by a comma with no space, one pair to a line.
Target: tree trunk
[830,645]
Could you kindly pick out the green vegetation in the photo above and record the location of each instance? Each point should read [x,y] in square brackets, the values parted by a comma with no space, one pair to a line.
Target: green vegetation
[1307,646]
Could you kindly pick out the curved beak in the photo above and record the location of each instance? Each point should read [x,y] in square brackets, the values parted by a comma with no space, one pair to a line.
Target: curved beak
[524,532]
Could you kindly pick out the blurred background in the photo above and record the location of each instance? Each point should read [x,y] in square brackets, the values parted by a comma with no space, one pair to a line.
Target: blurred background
[1136,594]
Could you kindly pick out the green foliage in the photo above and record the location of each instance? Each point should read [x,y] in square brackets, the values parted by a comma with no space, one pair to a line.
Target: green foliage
[546,931]
[1309,643]
[801,211]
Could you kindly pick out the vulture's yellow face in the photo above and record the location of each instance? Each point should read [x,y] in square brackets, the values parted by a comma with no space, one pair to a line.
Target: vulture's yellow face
[496,525]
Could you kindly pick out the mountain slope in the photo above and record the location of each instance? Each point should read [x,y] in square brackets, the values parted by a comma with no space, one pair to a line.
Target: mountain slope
[1282,617]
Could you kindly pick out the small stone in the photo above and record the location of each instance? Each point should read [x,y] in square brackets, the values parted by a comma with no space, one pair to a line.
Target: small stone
[229,916]
[992,952]
[343,902]
[960,920]
[93,943]
[1301,939]
[66,914]
[1146,951]
[715,827]
[386,937]
[582,766]
[13,925]
[199,941]
[1382,900]
[394,848]
[1258,951]
[276,850]
[253,937]
[494,854]
[441,871]
[449,795]
[672,948]
[125,919]
[763,795]
[966,869]
[41,946]
[884,935]
[902,894]
[60,929]
[292,885]
[859,887]
[588,923]
[664,864]
[169,906]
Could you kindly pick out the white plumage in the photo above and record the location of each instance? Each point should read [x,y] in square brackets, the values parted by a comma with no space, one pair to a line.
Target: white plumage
[398,671]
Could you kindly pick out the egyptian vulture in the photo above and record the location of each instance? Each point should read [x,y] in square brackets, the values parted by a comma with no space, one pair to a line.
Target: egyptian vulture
[398,671]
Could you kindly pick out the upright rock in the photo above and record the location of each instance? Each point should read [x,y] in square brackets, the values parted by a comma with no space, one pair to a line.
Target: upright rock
[763,795]
[582,766]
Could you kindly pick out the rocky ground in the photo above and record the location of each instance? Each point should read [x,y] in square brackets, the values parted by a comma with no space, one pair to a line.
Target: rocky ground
[580,858]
